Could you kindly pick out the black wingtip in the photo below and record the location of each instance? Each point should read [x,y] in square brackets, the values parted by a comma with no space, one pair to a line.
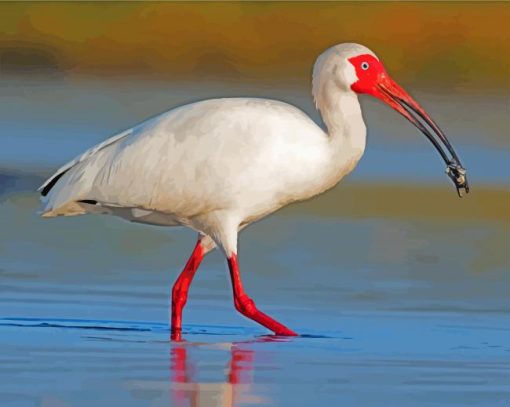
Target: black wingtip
[52,183]
[88,201]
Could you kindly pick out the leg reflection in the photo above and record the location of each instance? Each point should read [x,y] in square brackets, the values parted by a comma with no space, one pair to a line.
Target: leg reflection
[186,391]
[179,369]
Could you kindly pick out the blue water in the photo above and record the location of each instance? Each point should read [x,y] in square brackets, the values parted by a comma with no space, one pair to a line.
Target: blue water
[393,310]
[413,360]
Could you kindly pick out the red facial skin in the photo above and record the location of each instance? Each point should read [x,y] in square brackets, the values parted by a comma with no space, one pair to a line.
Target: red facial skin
[367,78]
[375,81]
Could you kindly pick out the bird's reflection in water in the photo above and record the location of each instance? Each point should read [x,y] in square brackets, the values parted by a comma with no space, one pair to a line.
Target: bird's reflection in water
[235,390]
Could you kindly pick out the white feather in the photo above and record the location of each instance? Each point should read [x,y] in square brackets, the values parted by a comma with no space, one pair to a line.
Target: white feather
[219,164]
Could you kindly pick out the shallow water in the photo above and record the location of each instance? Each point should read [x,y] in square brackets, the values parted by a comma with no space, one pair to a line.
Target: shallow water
[399,289]
[406,309]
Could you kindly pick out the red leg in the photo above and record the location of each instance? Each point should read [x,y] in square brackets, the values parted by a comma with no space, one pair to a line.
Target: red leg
[181,287]
[246,306]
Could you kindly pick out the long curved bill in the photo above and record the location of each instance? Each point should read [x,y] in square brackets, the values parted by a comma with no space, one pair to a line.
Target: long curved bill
[399,99]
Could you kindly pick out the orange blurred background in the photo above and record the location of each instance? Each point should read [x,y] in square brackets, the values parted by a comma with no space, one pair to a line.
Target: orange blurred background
[448,45]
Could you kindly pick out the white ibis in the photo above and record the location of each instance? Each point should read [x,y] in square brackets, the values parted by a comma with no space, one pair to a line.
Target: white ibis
[218,165]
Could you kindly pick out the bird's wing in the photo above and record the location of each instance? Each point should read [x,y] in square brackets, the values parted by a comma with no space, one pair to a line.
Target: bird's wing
[176,162]
[70,181]
[50,182]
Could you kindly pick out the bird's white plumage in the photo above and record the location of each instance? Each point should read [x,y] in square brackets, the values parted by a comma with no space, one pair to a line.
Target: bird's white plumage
[220,164]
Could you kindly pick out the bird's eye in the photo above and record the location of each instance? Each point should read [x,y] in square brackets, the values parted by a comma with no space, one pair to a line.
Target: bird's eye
[364,66]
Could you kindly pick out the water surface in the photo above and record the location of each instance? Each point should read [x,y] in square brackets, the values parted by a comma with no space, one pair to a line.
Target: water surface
[399,289]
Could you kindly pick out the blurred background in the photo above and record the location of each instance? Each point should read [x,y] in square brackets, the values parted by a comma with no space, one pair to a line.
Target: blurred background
[400,287]
[449,46]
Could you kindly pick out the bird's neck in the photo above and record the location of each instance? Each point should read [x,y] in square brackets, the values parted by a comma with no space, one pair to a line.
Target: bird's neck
[341,112]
